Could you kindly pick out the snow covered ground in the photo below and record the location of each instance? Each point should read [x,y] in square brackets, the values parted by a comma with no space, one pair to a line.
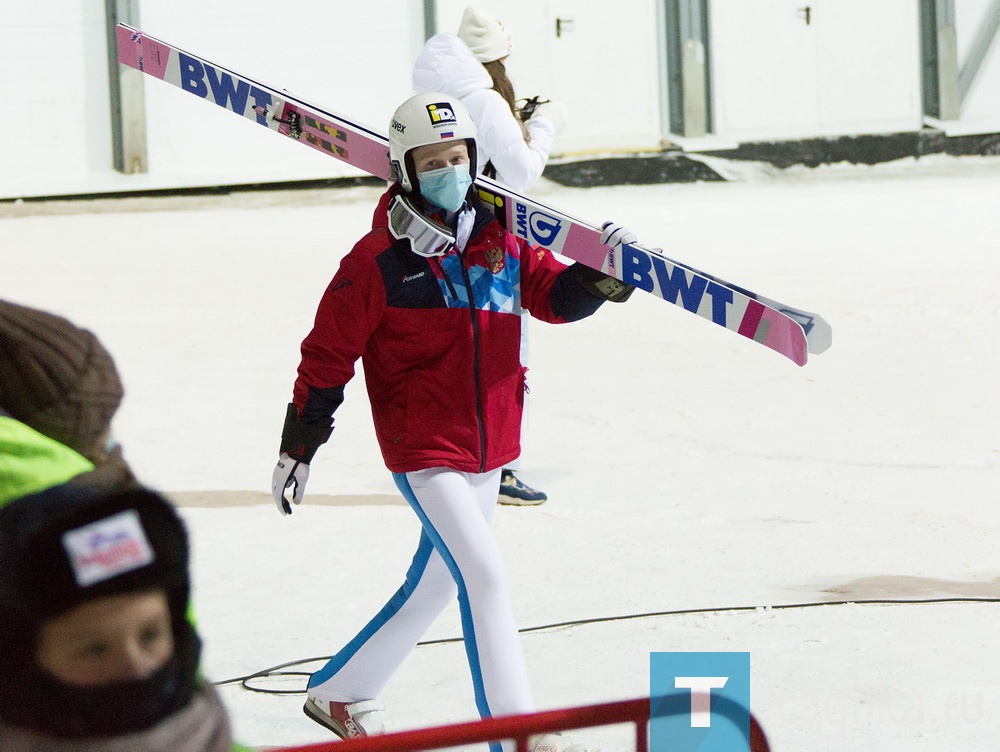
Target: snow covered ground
[687,468]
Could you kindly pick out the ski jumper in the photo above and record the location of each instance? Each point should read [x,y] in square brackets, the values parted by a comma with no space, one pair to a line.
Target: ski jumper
[438,339]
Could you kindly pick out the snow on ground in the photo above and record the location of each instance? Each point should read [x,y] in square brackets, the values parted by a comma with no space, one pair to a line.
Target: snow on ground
[687,468]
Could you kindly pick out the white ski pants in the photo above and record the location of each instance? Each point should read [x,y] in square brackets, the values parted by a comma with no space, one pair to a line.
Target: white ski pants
[457,553]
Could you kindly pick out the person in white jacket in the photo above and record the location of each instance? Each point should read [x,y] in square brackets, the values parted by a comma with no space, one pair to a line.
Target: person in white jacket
[471,66]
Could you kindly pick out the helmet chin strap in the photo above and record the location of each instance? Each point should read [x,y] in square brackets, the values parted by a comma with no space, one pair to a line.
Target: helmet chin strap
[427,238]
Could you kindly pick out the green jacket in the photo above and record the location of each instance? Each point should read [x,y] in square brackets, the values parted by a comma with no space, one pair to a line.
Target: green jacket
[31,462]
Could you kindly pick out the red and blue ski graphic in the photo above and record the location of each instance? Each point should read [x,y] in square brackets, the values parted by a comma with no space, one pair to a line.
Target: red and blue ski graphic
[789,331]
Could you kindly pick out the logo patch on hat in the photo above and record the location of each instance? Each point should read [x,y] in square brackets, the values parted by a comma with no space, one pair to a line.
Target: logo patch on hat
[108,548]
[441,113]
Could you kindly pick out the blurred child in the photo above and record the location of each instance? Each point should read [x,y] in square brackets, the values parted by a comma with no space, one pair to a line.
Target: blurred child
[96,649]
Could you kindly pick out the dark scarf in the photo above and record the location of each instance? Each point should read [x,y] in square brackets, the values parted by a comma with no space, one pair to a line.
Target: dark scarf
[202,726]
[31,698]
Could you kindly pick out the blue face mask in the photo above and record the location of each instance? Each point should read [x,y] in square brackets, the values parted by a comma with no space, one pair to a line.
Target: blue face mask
[447,186]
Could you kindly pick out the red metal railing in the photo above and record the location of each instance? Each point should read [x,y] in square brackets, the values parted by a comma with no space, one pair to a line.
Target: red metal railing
[520,727]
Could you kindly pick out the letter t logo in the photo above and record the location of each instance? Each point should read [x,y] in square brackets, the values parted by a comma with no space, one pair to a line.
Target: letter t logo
[701,696]
[699,702]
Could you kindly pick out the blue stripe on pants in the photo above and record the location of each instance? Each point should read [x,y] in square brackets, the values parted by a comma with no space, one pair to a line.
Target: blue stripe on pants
[395,603]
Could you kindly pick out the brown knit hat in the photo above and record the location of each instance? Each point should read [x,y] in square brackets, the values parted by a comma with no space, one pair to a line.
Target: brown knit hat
[57,378]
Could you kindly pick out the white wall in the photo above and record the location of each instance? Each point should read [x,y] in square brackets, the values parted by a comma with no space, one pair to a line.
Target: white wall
[53,89]
[854,69]
[982,103]
[352,57]
[349,57]
[604,67]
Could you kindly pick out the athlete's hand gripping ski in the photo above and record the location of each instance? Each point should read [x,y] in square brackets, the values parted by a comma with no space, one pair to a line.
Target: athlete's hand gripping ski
[613,235]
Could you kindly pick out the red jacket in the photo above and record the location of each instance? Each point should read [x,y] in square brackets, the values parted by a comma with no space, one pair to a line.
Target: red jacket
[444,378]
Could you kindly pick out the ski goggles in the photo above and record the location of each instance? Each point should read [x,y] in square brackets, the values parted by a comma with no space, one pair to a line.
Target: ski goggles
[427,238]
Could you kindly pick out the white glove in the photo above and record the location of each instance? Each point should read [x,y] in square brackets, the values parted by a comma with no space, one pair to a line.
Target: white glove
[555,112]
[613,235]
[289,474]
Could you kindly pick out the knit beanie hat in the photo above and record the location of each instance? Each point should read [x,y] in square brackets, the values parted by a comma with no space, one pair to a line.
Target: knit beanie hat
[57,378]
[484,35]
[74,543]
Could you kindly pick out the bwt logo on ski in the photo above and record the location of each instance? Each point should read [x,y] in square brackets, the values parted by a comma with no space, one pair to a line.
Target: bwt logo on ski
[537,226]
[202,80]
[651,273]
[440,113]
[699,702]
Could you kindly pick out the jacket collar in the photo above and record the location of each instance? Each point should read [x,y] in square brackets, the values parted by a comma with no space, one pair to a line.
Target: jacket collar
[484,214]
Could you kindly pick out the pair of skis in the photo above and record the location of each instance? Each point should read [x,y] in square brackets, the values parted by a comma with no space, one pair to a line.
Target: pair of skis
[789,331]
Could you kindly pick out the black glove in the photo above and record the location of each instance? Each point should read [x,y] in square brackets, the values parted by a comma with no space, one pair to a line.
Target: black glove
[600,285]
[528,108]
[299,442]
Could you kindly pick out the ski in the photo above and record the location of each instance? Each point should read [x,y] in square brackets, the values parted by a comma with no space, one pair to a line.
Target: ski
[789,331]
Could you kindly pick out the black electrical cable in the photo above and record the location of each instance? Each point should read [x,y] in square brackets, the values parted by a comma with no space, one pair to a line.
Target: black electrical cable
[273,671]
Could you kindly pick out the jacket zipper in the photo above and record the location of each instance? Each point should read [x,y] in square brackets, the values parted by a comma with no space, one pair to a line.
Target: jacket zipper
[475,367]
[447,279]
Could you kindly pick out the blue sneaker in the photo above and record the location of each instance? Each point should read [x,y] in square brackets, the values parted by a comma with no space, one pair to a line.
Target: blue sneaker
[515,493]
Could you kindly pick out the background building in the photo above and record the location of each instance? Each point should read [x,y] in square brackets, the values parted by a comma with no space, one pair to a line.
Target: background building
[783,80]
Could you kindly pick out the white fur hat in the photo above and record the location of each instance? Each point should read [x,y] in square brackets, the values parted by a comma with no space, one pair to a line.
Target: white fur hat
[485,35]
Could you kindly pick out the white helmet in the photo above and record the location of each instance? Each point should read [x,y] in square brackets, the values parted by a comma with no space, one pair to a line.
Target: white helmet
[429,118]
